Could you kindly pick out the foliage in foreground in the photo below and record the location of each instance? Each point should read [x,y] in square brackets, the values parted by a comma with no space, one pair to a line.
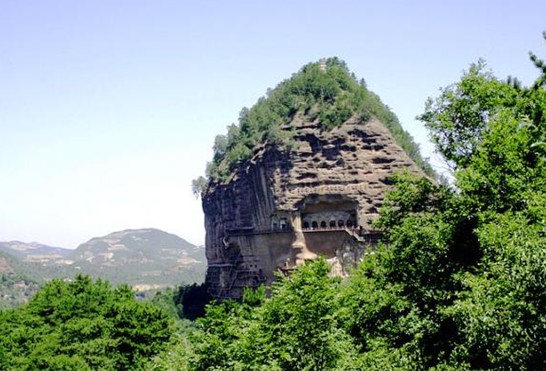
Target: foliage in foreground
[82,325]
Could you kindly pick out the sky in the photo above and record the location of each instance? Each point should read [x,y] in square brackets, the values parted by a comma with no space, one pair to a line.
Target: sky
[109,108]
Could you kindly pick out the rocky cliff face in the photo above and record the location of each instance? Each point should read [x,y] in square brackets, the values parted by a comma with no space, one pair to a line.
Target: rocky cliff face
[287,206]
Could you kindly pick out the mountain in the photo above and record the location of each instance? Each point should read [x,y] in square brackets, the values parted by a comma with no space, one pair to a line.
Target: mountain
[35,252]
[303,175]
[145,258]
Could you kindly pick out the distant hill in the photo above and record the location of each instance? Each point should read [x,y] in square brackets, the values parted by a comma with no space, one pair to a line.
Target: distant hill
[35,252]
[143,258]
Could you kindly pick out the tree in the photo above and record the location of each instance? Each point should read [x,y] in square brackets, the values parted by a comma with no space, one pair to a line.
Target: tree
[83,325]
[540,64]
[459,116]
[198,186]
[294,329]
[220,147]
[460,279]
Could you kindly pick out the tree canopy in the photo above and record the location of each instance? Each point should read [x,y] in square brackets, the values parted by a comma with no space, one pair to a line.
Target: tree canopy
[82,325]
[325,91]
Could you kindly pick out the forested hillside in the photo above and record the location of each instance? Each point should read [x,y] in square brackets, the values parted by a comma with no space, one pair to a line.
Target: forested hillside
[15,286]
[146,259]
[143,258]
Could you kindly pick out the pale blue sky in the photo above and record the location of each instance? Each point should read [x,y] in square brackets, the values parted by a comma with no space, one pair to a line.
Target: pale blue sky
[108,109]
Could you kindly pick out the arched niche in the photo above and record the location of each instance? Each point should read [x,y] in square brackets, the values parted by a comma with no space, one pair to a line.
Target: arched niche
[332,211]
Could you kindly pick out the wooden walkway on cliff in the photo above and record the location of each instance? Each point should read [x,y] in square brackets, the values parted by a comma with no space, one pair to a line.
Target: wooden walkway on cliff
[359,234]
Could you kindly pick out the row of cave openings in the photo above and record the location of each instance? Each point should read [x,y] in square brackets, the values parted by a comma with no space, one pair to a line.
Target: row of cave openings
[282,224]
[330,225]
[329,219]
[325,212]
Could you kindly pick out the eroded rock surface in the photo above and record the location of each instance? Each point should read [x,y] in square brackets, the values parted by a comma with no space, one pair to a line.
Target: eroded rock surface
[287,206]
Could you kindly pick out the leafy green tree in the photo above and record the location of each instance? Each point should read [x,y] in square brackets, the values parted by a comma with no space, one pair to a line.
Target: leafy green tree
[500,312]
[393,304]
[192,300]
[198,186]
[83,325]
[459,116]
[294,329]
[175,357]
[217,344]
[220,146]
[541,65]
[459,281]
[504,183]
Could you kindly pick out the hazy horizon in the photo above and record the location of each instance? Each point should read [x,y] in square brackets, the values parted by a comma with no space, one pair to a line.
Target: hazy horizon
[101,236]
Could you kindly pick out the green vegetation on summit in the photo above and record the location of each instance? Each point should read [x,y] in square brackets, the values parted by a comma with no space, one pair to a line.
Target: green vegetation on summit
[325,92]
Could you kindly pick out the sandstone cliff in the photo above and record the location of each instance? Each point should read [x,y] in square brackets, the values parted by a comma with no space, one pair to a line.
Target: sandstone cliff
[274,203]
[286,206]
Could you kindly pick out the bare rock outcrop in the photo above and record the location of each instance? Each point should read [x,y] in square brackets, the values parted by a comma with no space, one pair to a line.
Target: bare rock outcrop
[285,206]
